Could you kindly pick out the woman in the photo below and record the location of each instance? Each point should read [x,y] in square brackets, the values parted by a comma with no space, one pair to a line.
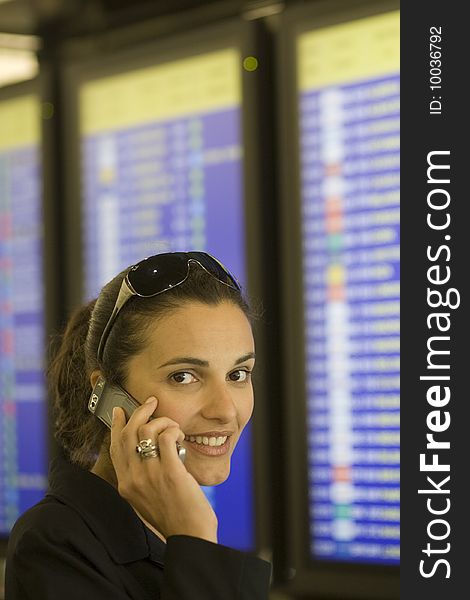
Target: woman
[124,518]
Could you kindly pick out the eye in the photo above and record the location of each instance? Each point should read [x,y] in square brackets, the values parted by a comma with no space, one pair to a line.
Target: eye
[183,378]
[240,376]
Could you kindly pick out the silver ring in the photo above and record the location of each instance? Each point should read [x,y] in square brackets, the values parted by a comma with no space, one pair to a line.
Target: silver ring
[181,452]
[147,449]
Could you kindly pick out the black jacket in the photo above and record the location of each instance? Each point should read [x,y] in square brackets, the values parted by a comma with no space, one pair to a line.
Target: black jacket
[85,542]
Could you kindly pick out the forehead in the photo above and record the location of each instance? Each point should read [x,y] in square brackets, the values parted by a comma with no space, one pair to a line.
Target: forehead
[196,329]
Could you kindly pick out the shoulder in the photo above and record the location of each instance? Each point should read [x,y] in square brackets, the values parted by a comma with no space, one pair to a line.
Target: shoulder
[49,521]
[53,554]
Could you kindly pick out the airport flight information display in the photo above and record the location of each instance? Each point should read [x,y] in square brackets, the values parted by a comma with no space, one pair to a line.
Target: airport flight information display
[162,172]
[23,414]
[348,77]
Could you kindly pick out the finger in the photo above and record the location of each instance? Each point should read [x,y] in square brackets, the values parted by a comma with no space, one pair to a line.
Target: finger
[118,421]
[154,428]
[140,416]
[167,447]
[143,413]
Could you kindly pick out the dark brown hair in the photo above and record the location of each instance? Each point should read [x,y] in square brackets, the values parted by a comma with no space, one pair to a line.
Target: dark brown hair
[79,432]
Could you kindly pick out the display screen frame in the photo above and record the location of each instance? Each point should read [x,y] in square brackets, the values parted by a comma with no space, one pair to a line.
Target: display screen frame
[303,575]
[147,49]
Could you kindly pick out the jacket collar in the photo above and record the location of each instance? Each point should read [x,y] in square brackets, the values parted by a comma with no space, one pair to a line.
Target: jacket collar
[107,514]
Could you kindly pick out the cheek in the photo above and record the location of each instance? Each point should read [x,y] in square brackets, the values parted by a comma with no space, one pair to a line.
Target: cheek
[142,388]
[245,409]
[176,406]
[171,409]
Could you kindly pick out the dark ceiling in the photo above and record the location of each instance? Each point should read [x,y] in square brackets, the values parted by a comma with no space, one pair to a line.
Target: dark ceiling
[73,17]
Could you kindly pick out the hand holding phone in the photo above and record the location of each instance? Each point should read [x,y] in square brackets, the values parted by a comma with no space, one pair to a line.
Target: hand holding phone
[105,397]
[163,492]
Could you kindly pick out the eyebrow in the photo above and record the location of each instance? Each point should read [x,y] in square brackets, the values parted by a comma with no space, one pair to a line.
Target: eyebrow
[203,363]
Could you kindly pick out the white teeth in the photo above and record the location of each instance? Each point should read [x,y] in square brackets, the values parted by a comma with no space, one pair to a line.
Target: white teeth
[207,441]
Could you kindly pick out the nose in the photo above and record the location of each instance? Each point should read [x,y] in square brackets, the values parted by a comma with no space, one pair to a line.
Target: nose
[219,404]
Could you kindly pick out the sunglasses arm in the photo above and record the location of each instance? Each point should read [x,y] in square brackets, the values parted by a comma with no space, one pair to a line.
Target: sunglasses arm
[125,293]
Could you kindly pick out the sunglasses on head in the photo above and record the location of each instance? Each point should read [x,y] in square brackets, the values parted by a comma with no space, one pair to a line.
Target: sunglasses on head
[160,273]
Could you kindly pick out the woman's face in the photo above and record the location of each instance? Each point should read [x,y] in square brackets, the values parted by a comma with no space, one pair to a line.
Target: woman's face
[198,363]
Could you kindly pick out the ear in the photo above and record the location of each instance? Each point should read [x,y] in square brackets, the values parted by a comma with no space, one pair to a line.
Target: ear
[94,377]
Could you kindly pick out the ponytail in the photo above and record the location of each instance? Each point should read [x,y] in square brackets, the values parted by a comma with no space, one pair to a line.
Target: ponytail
[77,431]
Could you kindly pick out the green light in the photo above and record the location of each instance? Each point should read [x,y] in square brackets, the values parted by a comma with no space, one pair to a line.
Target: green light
[250,63]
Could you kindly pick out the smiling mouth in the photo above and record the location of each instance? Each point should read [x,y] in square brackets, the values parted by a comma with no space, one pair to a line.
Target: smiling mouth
[206,440]
[208,446]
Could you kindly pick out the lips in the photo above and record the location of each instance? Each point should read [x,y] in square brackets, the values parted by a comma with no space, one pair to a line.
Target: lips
[210,443]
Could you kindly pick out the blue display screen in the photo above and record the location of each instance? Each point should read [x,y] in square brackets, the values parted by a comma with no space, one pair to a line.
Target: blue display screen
[165,178]
[23,413]
[351,257]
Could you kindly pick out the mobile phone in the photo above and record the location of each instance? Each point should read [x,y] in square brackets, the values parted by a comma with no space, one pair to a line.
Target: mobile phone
[106,396]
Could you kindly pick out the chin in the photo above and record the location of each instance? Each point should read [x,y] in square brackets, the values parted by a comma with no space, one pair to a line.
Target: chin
[210,478]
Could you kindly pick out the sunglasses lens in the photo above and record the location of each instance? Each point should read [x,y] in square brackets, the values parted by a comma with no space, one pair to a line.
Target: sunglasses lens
[215,268]
[163,271]
[158,273]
